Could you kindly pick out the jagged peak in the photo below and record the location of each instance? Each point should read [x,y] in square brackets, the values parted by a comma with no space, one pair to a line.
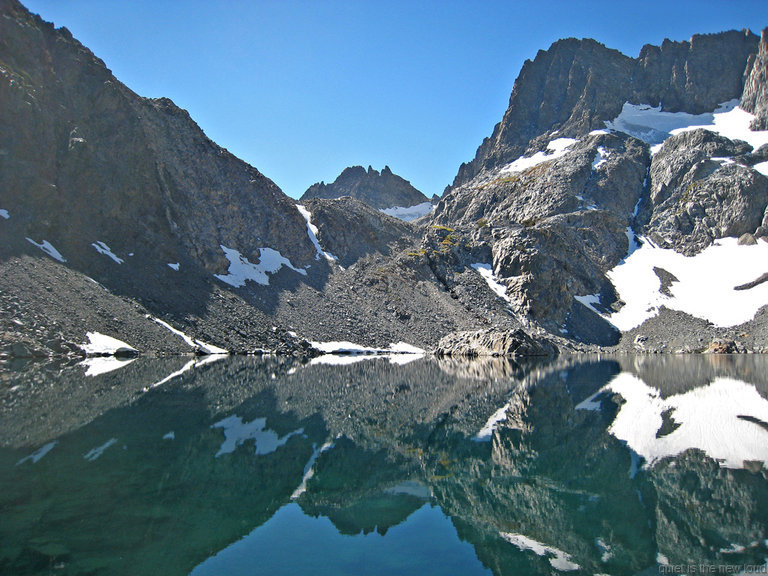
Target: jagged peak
[578,84]
[383,189]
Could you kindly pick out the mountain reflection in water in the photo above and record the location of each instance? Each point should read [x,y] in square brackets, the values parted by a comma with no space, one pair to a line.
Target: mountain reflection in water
[246,466]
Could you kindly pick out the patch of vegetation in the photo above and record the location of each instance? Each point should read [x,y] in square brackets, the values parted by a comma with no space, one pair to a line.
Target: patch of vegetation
[482,223]
[444,228]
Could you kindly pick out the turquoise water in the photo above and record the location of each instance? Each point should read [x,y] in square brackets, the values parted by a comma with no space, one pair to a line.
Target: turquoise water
[293,543]
[240,466]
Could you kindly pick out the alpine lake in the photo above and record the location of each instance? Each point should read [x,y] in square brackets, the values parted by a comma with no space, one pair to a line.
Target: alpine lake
[401,465]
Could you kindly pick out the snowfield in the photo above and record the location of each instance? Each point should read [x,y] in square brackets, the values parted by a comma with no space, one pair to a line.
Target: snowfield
[241,270]
[312,233]
[653,126]
[557,148]
[409,213]
[704,287]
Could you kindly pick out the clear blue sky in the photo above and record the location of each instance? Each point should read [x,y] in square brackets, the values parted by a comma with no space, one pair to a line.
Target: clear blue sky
[302,89]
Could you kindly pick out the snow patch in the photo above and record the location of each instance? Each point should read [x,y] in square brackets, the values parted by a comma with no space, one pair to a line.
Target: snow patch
[762,167]
[102,248]
[188,366]
[558,559]
[174,265]
[732,122]
[403,359]
[654,126]
[341,360]
[236,432]
[590,300]
[312,233]
[601,157]
[344,347]
[4,214]
[557,148]
[37,455]
[95,453]
[209,349]
[723,419]
[170,436]
[241,270]
[705,287]
[405,348]
[341,353]
[103,345]
[591,403]
[48,248]
[178,333]
[486,271]
[409,213]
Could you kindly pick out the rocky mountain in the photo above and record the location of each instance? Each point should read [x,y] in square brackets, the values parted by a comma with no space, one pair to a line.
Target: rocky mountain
[119,217]
[378,189]
[569,186]
[586,84]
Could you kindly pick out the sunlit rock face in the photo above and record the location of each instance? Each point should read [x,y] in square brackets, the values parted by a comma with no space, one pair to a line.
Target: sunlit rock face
[380,190]
[570,182]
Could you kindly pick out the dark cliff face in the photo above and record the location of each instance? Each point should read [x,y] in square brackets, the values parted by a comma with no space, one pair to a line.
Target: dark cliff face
[377,189]
[755,98]
[86,160]
[577,85]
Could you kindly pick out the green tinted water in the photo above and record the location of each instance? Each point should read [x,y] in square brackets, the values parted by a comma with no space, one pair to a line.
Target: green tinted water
[247,466]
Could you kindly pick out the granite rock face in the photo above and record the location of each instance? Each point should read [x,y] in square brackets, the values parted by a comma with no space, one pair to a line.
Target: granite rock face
[350,229]
[377,189]
[559,201]
[698,193]
[554,229]
[493,343]
[755,97]
[86,160]
[586,85]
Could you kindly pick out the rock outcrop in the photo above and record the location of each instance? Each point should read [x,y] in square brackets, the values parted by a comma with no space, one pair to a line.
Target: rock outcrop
[377,189]
[492,342]
[699,193]
[755,97]
[350,229]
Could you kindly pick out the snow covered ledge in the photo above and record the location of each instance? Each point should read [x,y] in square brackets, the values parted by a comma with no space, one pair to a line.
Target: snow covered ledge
[103,345]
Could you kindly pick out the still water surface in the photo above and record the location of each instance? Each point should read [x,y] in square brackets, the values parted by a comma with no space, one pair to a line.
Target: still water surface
[243,466]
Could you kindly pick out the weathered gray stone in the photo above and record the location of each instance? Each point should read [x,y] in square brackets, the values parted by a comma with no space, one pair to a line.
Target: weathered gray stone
[493,343]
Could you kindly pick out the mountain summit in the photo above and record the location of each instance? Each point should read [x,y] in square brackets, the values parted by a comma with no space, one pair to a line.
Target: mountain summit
[380,190]
[619,202]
